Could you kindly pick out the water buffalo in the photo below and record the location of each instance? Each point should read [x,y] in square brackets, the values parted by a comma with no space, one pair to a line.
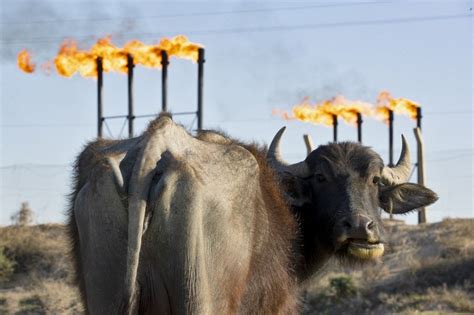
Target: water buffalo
[171,223]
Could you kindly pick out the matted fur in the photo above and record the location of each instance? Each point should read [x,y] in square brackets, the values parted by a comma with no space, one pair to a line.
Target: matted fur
[88,159]
[271,283]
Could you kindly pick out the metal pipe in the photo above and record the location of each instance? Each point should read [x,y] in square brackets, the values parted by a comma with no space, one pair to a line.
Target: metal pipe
[418,117]
[130,116]
[164,80]
[154,115]
[116,117]
[334,126]
[390,137]
[200,62]
[359,127]
[100,114]
[420,162]
[390,143]
[421,171]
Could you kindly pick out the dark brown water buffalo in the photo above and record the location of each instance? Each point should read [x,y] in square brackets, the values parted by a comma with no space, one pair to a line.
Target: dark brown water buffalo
[171,223]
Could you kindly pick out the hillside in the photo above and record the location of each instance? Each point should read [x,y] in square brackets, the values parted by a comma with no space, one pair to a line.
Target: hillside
[35,271]
[426,268]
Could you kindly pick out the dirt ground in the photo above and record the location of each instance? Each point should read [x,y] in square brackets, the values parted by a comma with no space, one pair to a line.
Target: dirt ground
[426,268]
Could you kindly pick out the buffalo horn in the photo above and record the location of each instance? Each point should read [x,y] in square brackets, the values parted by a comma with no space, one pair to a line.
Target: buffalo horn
[401,171]
[276,161]
[309,144]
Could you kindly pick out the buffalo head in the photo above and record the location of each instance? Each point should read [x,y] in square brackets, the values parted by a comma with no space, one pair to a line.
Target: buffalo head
[337,191]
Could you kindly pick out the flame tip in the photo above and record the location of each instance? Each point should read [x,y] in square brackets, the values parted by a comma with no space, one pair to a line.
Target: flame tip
[348,110]
[24,61]
[70,59]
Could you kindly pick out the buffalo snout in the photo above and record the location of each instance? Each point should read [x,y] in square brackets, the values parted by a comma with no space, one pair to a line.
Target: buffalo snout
[359,227]
[359,237]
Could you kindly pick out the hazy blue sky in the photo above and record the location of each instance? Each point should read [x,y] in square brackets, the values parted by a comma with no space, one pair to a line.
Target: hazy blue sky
[259,56]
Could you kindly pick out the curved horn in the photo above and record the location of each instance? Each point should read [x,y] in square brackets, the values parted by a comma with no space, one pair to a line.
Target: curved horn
[401,171]
[274,154]
[276,161]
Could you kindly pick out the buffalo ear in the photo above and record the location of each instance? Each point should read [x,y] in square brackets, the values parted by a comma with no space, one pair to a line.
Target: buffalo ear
[405,197]
[297,191]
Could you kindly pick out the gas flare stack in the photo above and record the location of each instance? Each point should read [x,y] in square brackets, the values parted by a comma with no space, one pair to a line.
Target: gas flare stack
[390,138]
[165,61]
[200,86]
[100,83]
[418,117]
[334,127]
[200,91]
[100,113]
[359,127]
[130,116]
[164,80]
[105,57]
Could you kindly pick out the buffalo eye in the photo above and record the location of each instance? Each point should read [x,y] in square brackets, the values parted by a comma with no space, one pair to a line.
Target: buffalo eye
[376,180]
[320,178]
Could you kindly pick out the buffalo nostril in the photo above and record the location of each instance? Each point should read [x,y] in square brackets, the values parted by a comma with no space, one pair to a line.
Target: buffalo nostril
[370,225]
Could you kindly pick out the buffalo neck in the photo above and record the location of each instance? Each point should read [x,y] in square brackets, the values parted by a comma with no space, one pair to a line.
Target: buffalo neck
[312,254]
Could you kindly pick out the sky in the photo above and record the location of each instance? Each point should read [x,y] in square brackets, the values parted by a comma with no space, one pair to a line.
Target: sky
[260,55]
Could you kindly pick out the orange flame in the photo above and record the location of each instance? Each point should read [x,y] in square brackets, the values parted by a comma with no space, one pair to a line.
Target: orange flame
[401,106]
[24,61]
[70,59]
[323,112]
[180,47]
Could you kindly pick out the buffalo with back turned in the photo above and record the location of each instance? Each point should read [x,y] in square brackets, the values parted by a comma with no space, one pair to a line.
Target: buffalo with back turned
[171,223]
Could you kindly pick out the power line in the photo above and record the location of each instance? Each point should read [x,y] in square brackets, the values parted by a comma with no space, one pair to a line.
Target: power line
[33,165]
[257,29]
[62,125]
[450,113]
[51,189]
[451,150]
[450,158]
[223,121]
[247,120]
[263,119]
[211,13]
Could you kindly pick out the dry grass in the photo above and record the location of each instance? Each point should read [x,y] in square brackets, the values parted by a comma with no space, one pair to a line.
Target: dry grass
[41,279]
[47,297]
[37,250]
[427,269]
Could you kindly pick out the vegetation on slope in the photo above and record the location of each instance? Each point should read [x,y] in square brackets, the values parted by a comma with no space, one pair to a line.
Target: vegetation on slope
[426,268]
[35,271]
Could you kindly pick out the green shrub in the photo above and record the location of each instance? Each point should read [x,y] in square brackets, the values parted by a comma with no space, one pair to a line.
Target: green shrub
[342,286]
[7,267]
[31,305]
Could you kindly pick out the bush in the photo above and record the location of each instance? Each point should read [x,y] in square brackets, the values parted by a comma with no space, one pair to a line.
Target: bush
[342,286]
[24,216]
[7,267]
[31,305]
[37,251]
